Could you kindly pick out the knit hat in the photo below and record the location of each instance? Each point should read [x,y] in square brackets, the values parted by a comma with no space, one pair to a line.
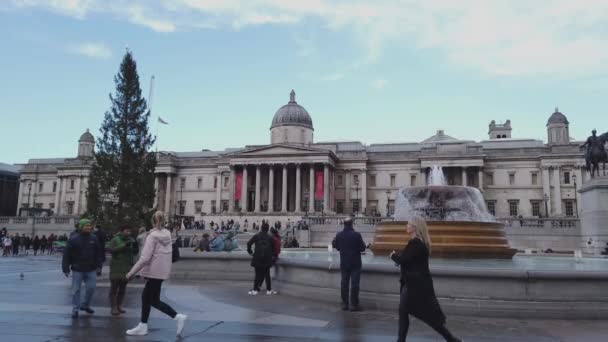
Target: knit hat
[82,223]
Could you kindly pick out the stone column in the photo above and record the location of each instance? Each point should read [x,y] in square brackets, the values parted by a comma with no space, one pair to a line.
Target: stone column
[62,196]
[284,190]
[464,176]
[326,187]
[557,200]
[347,207]
[218,192]
[311,189]
[57,195]
[244,190]
[271,189]
[298,188]
[363,183]
[168,194]
[231,187]
[480,179]
[579,182]
[547,190]
[77,197]
[258,181]
[156,190]
[422,176]
[20,195]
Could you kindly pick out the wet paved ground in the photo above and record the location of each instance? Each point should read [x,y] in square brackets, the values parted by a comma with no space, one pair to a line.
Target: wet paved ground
[37,308]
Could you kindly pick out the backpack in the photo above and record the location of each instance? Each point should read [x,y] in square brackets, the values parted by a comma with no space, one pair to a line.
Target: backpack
[175,252]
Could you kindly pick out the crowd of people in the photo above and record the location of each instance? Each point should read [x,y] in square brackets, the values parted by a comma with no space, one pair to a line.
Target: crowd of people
[20,245]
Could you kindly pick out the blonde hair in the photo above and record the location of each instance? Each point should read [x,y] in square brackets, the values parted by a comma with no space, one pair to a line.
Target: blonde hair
[422,231]
[158,219]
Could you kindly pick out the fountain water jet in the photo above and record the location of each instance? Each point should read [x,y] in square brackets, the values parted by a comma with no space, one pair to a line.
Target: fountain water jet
[459,222]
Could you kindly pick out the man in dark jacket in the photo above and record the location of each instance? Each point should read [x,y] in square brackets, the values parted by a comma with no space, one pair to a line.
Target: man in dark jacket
[83,255]
[351,245]
[262,259]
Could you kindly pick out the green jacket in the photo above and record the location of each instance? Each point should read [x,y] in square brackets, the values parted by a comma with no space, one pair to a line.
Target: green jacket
[123,253]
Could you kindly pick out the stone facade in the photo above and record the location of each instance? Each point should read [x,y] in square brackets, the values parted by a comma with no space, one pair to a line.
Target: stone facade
[294,175]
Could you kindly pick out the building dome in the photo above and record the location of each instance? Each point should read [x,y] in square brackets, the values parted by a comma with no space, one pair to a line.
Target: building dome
[292,114]
[557,118]
[87,137]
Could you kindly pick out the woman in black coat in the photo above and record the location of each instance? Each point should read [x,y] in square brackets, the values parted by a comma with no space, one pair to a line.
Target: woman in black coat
[417,293]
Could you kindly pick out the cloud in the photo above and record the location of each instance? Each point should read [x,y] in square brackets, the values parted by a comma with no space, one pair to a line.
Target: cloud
[336,76]
[93,50]
[496,38]
[379,83]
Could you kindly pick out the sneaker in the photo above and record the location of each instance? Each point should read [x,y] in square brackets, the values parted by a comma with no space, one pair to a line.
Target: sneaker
[344,307]
[87,310]
[140,330]
[74,314]
[253,293]
[181,320]
[271,292]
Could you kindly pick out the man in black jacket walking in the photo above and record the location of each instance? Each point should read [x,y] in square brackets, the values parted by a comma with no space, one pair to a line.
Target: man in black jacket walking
[83,255]
[262,260]
[351,245]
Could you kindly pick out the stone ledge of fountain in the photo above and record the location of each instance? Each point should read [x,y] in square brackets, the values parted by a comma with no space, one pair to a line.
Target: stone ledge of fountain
[462,290]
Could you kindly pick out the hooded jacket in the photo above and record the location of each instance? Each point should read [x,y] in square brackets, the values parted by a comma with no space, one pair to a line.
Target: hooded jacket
[350,244]
[155,261]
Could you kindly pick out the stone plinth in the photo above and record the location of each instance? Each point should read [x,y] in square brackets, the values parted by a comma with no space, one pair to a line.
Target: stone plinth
[594,215]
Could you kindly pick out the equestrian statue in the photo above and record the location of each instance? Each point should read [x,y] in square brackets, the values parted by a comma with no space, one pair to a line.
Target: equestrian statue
[596,153]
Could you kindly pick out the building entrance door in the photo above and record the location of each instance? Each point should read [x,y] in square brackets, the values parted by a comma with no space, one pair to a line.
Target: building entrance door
[250,200]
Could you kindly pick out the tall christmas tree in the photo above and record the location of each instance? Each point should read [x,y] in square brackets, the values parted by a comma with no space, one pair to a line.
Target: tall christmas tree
[121,185]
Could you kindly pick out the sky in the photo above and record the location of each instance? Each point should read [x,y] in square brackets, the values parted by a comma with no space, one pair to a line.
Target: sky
[378,71]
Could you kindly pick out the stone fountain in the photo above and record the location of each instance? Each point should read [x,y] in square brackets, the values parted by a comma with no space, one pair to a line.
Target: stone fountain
[459,222]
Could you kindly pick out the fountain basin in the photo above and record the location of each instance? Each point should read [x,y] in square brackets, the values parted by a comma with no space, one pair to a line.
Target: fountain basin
[450,239]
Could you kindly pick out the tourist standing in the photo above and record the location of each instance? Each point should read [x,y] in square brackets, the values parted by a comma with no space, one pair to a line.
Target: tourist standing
[351,245]
[43,243]
[83,256]
[36,244]
[16,243]
[417,293]
[124,249]
[155,265]
[7,243]
[262,259]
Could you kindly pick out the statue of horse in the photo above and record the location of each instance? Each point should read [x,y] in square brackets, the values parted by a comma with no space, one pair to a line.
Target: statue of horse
[596,155]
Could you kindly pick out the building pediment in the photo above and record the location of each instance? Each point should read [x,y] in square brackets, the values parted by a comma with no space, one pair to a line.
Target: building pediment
[280,153]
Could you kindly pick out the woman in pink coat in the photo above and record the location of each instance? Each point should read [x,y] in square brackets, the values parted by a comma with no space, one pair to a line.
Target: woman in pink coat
[155,265]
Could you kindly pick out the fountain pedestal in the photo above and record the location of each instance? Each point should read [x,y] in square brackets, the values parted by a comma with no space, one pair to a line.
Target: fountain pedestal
[594,215]
[450,239]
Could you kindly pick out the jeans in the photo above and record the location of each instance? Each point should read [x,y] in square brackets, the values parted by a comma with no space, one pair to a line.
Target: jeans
[261,274]
[353,277]
[90,281]
[151,298]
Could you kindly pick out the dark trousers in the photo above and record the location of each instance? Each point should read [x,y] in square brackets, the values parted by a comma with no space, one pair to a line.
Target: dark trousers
[353,277]
[118,288]
[404,321]
[261,274]
[151,298]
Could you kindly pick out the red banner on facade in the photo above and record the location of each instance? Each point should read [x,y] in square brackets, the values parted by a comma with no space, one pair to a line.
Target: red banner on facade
[238,185]
[319,185]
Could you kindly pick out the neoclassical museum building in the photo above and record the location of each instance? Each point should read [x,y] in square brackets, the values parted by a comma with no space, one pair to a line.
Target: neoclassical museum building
[294,175]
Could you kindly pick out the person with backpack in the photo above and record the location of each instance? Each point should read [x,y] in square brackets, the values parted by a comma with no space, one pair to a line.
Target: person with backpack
[262,260]
[350,245]
[155,265]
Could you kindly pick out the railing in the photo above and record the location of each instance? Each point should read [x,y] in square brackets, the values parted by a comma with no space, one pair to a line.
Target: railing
[338,220]
[541,223]
[60,220]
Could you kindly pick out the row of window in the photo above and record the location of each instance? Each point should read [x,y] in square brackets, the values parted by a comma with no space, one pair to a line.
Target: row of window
[567,178]
[535,205]
[54,187]
[69,206]
[371,180]
[199,182]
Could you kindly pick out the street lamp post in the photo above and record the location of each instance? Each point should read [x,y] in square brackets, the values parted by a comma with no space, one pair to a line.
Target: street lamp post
[546,198]
[575,198]
[388,197]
